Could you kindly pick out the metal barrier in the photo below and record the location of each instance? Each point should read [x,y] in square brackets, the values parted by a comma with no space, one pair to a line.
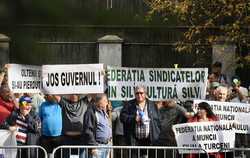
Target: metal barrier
[29,151]
[237,153]
[125,151]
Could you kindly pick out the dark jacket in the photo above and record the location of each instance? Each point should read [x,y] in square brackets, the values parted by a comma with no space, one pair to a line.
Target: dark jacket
[128,115]
[90,126]
[33,128]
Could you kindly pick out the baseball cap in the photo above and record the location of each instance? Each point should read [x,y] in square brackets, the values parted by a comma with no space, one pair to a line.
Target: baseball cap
[235,80]
[24,100]
[214,85]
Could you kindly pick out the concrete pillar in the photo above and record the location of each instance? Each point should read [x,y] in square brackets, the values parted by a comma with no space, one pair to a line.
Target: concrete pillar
[225,53]
[4,50]
[110,50]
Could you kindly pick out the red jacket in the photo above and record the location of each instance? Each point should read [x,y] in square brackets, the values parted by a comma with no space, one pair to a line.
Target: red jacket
[212,155]
[5,109]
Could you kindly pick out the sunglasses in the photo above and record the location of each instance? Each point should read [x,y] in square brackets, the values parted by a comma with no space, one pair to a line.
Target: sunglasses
[25,107]
[137,93]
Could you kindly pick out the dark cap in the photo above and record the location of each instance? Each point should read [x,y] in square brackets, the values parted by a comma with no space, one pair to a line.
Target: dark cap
[24,99]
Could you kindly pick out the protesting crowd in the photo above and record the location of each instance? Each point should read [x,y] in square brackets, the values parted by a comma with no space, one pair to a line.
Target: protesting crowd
[150,117]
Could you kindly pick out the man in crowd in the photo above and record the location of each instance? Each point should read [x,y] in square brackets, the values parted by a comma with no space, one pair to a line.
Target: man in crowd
[221,94]
[98,129]
[212,90]
[237,92]
[141,120]
[50,114]
[216,70]
[170,114]
[73,110]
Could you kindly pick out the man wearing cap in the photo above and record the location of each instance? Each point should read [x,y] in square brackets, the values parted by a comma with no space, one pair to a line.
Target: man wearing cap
[237,92]
[23,123]
[212,90]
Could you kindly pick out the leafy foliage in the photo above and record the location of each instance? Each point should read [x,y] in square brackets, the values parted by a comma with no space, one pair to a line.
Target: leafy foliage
[209,21]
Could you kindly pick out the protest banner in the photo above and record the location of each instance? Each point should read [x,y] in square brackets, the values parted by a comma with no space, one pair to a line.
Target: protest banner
[8,138]
[73,79]
[230,111]
[211,136]
[24,78]
[161,83]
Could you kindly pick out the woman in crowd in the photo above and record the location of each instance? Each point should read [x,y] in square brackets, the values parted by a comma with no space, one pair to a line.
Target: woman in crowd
[204,114]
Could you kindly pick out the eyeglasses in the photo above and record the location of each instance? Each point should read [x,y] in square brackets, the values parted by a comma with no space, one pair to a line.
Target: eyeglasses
[141,93]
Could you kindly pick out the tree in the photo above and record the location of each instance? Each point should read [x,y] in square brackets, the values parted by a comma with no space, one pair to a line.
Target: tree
[208,21]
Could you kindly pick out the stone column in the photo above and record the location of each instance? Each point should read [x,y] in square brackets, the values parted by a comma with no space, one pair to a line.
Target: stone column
[110,50]
[4,50]
[225,53]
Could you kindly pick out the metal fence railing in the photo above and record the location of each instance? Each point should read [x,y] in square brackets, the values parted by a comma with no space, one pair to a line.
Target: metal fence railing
[34,151]
[125,151]
[31,151]
[237,153]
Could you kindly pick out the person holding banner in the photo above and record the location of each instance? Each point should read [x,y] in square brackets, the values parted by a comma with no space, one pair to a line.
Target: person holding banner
[140,116]
[73,110]
[2,74]
[50,114]
[204,114]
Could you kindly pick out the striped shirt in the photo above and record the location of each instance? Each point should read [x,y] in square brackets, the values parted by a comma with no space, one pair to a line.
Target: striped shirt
[21,136]
[142,129]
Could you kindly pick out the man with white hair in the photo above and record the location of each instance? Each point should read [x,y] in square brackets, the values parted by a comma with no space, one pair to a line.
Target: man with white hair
[140,116]
[221,94]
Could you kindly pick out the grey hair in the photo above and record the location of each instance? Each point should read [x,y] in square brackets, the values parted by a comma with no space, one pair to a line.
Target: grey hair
[141,87]
[99,97]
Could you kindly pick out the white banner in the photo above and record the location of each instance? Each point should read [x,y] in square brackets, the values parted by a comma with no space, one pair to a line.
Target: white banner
[161,83]
[24,78]
[8,139]
[73,79]
[210,136]
[230,111]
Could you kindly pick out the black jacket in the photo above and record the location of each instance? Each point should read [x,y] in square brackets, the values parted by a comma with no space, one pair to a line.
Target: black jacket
[90,125]
[128,115]
[33,123]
